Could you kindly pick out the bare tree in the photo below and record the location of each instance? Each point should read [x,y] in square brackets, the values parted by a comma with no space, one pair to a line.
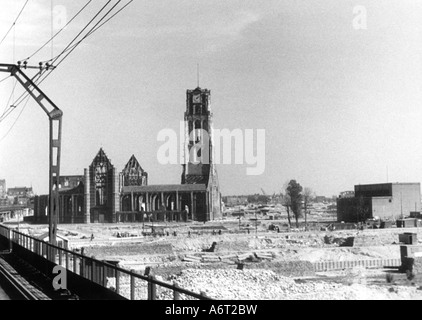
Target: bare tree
[294,190]
[287,204]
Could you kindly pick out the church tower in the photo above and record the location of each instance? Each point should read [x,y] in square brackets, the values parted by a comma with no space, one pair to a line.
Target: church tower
[198,130]
[199,167]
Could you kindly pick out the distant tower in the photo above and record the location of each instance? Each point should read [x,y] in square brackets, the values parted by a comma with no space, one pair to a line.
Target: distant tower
[198,116]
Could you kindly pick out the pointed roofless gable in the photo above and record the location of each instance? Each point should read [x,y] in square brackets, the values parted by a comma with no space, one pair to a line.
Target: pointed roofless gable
[132,164]
[133,174]
[101,179]
[101,158]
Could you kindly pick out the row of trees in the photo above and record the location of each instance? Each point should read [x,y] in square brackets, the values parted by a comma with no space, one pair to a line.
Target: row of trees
[296,201]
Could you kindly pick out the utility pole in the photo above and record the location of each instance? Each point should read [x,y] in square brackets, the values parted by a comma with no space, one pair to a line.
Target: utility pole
[55,118]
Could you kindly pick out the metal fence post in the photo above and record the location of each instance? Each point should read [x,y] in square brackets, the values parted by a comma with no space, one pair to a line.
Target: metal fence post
[176,294]
[117,281]
[104,276]
[82,268]
[132,286]
[60,256]
[67,259]
[152,289]
[75,261]
[93,271]
[203,294]
[10,240]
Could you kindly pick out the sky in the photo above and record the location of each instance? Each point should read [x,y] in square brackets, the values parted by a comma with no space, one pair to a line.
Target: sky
[340,105]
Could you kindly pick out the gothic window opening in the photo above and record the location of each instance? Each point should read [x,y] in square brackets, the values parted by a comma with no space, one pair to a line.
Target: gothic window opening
[101,183]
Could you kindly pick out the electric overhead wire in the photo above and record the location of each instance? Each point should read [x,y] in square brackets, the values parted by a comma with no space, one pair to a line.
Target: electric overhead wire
[6,111]
[25,94]
[72,47]
[16,120]
[14,105]
[93,30]
[6,114]
[87,25]
[58,32]
[86,36]
[14,23]
[10,97]
[52,28]
[5,79]
[69,47]
[8,101]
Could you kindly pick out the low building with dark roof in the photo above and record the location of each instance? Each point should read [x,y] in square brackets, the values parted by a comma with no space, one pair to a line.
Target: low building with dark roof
[387,201]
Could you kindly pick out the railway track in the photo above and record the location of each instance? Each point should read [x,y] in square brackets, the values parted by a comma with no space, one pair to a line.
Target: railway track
[21,281]
[16,286]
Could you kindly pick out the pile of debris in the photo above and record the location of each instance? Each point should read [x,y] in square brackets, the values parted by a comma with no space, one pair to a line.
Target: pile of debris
[228,258]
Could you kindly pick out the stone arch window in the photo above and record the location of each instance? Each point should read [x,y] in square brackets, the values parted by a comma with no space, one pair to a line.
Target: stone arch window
[198,110]
[100,183]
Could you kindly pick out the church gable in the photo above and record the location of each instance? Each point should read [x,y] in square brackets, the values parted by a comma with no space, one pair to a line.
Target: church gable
[101,160]
[133,174]
[101,171]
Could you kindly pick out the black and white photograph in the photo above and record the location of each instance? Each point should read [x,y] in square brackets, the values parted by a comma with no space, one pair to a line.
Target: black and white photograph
[213,156]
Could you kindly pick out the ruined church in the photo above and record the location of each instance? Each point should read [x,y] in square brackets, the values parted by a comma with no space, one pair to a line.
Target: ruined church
[104,194]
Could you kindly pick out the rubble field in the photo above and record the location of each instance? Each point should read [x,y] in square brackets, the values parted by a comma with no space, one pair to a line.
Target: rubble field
[226,260]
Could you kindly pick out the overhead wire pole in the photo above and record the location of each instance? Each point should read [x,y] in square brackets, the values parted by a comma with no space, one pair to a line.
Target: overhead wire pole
[70,47]
[55,116]
[49,63]
[53,112]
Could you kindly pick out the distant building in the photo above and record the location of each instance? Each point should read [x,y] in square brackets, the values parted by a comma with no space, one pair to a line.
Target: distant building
[232,201]
[70,182]
[2,188]
[4,202]
[20,191]
[347,194]
[386,201]
[324,199]
[21,195]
